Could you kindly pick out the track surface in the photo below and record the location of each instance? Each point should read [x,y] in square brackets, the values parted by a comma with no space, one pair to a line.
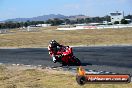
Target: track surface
[117,59]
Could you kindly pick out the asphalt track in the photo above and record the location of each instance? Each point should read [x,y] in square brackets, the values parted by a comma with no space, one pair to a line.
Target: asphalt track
[117,59]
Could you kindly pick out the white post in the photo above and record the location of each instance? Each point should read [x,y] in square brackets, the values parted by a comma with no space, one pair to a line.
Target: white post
[28,28]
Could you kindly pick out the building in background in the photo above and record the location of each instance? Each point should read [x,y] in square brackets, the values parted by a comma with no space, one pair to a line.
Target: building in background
[116,17]
[43,25]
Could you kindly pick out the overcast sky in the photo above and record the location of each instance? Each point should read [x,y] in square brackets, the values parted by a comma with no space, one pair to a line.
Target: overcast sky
[31,8]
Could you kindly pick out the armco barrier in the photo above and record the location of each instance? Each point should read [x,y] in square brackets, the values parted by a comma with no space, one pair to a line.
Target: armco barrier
[97,27]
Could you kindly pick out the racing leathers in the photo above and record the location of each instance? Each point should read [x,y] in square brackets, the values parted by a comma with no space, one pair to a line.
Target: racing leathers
[53,51]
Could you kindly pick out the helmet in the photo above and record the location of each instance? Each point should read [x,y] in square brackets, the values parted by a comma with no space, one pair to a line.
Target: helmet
[53,43]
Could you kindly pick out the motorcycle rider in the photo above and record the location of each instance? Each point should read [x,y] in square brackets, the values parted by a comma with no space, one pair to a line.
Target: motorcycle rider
[53,48]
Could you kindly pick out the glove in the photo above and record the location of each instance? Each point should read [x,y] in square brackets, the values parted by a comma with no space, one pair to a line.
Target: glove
[54,60]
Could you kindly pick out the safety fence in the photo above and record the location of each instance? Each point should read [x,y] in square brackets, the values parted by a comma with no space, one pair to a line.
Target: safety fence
[97,27]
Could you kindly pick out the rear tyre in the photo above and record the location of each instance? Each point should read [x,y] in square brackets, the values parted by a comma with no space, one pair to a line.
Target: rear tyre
[64,64]
[77,61]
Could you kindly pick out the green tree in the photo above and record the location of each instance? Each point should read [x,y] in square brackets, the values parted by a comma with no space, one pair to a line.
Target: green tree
[107,18]
[21,24]
[80,21]
[88,20]
[0,26]
[57,21]
[3,25]
[54,22]
[10,24]
[40,22]
[18,25]
[67,21]
[50,21]
[128,16]
[116,22]
[26,24]
[123,21]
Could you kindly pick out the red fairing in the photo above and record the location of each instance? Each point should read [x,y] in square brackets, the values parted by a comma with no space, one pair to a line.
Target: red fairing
[68,51]
[67,54]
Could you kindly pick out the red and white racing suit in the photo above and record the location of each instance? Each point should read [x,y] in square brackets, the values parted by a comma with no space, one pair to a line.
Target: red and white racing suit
[54,51]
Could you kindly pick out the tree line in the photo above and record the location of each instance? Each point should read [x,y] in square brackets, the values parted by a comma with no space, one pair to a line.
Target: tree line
[11,24]
[56,21]
[53,22]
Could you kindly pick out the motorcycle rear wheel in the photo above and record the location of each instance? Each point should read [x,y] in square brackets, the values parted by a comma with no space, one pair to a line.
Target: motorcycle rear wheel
[76,62]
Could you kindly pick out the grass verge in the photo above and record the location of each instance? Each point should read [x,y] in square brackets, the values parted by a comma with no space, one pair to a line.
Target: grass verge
[26,77]
[41,37]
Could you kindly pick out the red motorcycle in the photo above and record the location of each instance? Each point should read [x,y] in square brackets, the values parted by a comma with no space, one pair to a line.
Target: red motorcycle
[65,57]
